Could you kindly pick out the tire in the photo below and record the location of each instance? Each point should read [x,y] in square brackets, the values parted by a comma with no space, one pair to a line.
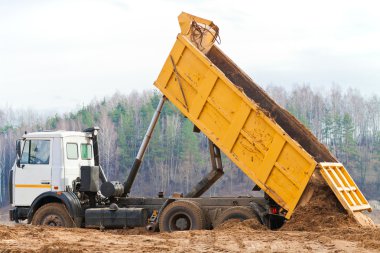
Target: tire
[52,214]
[182,215]
[237,212]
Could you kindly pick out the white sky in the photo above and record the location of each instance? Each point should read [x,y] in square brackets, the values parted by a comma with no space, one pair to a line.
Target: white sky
[57,55]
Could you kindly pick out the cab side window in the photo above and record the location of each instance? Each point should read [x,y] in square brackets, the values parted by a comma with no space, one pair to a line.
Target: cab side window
[72,151]
[36,152]
[86,151]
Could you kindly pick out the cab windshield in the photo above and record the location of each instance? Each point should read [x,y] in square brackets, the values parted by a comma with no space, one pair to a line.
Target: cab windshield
[36,152]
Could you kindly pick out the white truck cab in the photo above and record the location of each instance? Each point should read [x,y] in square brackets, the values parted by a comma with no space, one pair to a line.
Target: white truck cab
[48,162]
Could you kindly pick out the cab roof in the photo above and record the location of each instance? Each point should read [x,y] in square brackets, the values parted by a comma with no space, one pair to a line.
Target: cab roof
[56,134]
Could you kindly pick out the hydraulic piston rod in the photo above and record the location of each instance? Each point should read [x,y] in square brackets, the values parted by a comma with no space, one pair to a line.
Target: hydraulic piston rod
[212,177]
[140,155]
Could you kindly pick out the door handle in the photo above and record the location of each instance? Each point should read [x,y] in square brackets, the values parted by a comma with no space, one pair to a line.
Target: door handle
[45,182]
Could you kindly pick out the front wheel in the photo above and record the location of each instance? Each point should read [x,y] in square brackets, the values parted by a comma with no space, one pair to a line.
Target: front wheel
[52,214]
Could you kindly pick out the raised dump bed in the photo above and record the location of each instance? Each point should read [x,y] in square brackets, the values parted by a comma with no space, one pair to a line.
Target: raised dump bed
[264,140]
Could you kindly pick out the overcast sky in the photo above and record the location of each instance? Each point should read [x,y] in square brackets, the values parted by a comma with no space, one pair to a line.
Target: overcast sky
[57,55]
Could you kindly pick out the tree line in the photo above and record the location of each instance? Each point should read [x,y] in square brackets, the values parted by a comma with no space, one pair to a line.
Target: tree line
[177,158]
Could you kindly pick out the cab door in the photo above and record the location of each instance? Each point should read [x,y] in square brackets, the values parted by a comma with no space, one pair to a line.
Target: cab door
[78,152]
[33,177]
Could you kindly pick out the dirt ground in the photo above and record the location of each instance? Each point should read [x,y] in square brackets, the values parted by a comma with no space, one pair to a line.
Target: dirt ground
[321,226]
[330,234]
[232,236]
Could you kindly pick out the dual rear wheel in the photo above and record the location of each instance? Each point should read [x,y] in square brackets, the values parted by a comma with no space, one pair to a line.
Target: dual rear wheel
[234,213]
[182,215]
[188,215]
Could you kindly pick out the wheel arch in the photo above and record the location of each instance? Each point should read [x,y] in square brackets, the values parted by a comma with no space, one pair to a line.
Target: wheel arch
[69,199]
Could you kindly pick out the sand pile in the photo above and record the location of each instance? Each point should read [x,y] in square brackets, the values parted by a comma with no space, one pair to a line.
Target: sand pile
[323,211]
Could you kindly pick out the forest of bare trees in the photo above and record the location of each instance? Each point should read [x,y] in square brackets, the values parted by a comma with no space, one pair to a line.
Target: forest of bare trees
[347,122]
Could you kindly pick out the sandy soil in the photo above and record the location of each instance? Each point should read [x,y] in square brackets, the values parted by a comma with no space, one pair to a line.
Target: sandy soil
[233,236]
[316,227]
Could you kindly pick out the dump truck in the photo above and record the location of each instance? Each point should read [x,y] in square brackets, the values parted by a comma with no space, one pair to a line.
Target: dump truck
[57,179]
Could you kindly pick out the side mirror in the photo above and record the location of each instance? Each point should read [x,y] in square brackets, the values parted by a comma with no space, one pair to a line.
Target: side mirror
[18,148]
[18,152]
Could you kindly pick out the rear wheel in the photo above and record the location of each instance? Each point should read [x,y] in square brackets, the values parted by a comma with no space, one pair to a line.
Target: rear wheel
[182,215]
[237,212]
[52,214]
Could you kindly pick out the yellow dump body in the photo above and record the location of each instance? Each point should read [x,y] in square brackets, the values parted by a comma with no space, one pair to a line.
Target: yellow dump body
[253,141]
[265,141]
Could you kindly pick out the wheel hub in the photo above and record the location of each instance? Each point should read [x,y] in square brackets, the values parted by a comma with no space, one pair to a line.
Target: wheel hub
[53,220]
[180,222]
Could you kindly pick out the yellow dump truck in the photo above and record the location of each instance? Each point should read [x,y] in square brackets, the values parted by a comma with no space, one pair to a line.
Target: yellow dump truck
[265,141]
